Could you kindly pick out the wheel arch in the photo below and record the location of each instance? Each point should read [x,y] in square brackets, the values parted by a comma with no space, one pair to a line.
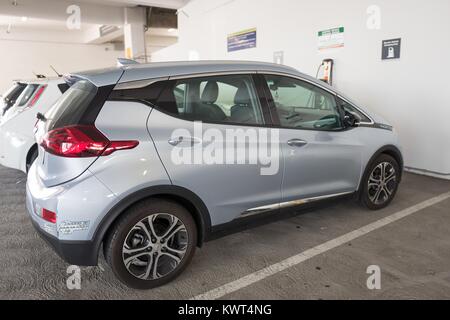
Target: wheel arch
[390,150]
[33,148]
[181,195]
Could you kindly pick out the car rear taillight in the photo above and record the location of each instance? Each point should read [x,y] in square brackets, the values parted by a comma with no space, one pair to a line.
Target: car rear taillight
[82,141]
[49,216]
[37,95]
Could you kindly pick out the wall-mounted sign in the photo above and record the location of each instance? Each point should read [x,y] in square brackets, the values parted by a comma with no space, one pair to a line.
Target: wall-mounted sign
[391,49]
[278,57]
[331,38]
[245,39]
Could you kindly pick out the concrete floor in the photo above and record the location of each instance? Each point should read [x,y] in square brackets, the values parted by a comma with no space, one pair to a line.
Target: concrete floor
[413,254]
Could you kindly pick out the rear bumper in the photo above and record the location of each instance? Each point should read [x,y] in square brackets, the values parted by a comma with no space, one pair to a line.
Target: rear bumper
[78,205]
[81,253]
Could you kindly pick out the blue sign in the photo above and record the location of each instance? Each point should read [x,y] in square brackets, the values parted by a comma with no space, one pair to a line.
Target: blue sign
[242,40]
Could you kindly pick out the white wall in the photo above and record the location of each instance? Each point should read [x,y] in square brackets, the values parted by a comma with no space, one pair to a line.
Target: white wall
[18,59]
[412,93]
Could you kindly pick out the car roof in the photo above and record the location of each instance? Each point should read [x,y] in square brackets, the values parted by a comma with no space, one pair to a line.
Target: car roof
[154,70]
[56,80]
[182,68]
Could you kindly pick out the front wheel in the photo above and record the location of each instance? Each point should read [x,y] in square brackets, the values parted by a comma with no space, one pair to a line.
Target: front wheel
[380,182]
[151,244]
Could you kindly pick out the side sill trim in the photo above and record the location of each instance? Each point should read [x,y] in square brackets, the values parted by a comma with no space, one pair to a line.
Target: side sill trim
[287,204]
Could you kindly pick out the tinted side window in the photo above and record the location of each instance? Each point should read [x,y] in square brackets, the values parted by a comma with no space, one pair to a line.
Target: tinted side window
[27,94]
[179,93]
[350,108]
[148,94]
[221,99]
[302,105]
[14,92]
[63,87]
[11,96]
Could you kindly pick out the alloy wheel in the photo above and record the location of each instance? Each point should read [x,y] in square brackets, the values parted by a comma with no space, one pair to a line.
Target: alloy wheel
[382,183]
[155,246]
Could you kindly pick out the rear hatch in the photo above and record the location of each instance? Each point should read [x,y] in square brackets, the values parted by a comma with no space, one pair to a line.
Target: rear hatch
[77,108]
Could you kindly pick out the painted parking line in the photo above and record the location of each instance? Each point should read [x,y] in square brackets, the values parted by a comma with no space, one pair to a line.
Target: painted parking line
[310,253]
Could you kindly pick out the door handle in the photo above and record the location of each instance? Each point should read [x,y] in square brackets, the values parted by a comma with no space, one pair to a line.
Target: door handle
[190,140]
[297,143]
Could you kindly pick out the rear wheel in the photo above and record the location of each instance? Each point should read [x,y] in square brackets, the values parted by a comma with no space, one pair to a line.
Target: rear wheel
[151,244]
[380,182]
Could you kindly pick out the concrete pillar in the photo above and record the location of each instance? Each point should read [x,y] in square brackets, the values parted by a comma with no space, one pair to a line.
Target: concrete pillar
[134,34]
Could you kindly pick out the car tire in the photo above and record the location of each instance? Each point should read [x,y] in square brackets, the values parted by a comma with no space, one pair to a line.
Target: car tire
[380,183]
[134,256]
[33,156]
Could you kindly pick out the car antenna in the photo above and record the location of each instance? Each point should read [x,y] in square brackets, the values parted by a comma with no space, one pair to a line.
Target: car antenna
[59,75]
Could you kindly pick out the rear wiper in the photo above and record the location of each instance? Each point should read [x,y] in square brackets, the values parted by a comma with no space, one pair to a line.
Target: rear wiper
[41,117]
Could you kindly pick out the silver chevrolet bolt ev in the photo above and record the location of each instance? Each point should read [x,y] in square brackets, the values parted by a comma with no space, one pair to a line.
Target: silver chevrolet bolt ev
[150,161]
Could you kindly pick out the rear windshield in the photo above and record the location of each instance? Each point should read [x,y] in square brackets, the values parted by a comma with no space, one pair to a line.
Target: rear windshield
[71,106]
[14,92]
[27,94]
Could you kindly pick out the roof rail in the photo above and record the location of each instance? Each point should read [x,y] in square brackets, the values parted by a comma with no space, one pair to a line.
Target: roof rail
[122,62]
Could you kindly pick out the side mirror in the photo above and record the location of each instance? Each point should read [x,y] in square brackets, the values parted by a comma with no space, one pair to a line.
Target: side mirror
[351,120]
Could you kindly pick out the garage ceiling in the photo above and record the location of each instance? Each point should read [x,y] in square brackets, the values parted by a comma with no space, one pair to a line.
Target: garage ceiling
[29,20]
[171,4]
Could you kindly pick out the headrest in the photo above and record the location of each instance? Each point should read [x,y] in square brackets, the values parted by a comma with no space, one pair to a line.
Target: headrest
[242,96]
[210,93]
